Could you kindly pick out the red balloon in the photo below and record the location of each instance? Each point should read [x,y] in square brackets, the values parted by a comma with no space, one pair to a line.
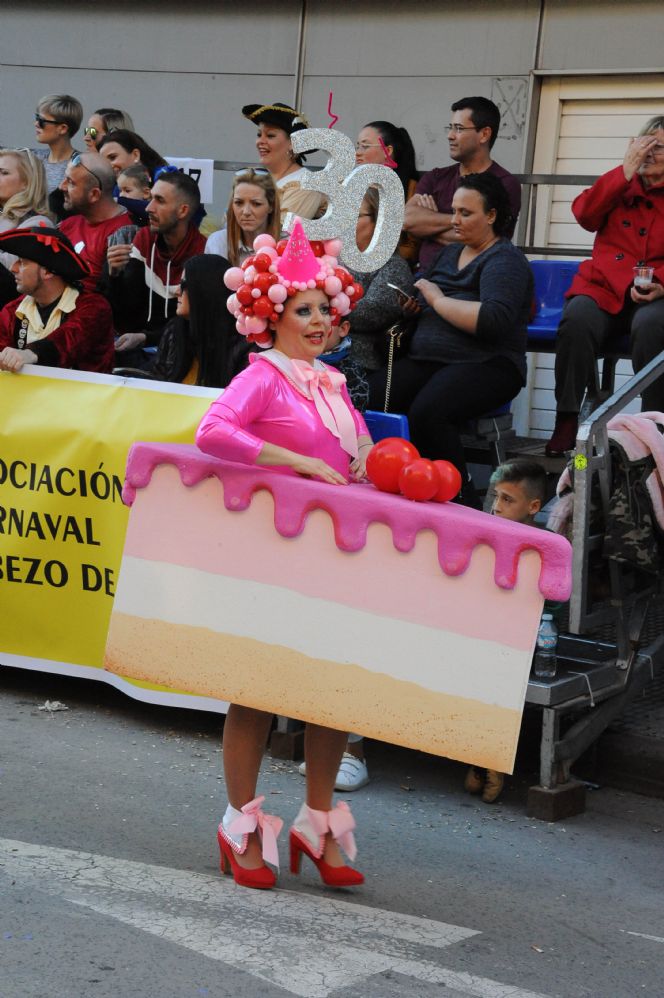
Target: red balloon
[317,247]
[385,461]
[450,481]
[419,480]
[263,307]
[359,291]
[281,246]
[247,263]
[264,281]
[262,263]
[244,295]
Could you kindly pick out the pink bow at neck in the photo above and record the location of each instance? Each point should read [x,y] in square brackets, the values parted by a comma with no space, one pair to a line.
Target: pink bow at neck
[268,825]
[340,822]
[324,386]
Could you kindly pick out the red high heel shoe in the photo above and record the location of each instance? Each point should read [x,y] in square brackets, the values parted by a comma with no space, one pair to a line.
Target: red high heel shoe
[262,878]
[316,824]
[241,824]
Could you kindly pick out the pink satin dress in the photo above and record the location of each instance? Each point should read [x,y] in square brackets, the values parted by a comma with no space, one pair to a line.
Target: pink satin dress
[260,405]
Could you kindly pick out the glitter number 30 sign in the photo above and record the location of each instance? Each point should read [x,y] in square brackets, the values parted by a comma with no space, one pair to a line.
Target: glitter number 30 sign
[344,185]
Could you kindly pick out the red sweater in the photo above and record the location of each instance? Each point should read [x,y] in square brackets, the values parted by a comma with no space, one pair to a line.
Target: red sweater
[83,341]
[91,241]
[629,221]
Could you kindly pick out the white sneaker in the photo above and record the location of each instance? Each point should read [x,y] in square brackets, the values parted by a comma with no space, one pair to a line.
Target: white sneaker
[353,773]
[302,769]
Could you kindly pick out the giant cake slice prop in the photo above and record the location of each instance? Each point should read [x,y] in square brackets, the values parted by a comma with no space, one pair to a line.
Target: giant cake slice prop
[408,622]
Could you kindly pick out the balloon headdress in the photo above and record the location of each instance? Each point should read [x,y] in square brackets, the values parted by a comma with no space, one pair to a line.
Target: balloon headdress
[277,271]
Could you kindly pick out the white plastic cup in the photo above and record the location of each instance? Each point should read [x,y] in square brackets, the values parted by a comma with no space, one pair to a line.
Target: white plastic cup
[643,279]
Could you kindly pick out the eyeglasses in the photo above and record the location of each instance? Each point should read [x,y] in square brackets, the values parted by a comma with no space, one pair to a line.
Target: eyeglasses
[461,128]
[41,121]
[258,171]
[91,131]
[78,161]
[363,146]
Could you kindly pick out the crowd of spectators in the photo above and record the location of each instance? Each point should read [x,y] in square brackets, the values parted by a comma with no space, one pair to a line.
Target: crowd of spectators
[133,220]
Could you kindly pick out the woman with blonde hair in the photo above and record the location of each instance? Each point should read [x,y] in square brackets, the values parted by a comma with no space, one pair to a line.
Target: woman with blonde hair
[253,209]
[23,203]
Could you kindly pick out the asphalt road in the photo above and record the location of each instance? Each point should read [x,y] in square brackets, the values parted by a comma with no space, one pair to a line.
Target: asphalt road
[109,881]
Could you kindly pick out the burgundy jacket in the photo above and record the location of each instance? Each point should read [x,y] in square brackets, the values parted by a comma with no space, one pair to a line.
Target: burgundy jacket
[83,341]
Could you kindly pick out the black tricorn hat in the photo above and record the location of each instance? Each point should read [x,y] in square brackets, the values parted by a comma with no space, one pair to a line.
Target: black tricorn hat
[48,247]
[279,114]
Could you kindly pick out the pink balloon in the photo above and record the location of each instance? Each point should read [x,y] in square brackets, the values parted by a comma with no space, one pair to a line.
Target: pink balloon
[277,293]
[332,247]
[255,325]
[341,302]
[332,286]
[233,278]
[232,304]
[249,275]
[256,293]
[264,241]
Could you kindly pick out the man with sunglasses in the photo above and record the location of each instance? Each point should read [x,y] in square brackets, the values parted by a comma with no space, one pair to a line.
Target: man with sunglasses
[471,134]
[57,119]
[88,194]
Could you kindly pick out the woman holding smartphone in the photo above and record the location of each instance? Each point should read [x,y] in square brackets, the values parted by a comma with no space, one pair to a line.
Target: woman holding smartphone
[468,351]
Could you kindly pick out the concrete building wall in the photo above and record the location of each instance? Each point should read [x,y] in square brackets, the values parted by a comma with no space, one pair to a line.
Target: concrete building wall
[183,72]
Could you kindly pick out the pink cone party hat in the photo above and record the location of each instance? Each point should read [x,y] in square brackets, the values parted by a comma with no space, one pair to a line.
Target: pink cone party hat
[298,263]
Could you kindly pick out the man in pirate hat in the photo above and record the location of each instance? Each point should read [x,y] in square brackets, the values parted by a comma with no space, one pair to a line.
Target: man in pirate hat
[53,322]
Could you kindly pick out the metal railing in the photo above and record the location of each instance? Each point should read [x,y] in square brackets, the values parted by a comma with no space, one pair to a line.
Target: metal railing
[525,233]
[592,456]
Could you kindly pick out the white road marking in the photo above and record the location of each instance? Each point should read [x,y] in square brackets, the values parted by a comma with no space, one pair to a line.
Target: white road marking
[644,935]
[288,939]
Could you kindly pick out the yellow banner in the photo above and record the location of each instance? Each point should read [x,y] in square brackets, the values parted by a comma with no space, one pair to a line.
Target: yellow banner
[64,439]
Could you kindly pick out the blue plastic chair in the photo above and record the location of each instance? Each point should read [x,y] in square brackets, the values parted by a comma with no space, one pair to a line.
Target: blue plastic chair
[552,279]
[386,424]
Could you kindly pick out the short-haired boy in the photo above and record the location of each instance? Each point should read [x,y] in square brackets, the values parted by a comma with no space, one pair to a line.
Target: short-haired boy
[519,493]
[134,183]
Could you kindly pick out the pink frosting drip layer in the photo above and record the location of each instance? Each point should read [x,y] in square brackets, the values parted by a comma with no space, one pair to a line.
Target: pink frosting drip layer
[353,508]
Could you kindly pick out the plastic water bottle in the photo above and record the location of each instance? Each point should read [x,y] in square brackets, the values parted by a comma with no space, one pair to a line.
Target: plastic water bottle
[544,663]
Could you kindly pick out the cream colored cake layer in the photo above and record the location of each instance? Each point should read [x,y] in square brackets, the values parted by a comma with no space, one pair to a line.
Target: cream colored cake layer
[191,527]
[274,678]
[437,659]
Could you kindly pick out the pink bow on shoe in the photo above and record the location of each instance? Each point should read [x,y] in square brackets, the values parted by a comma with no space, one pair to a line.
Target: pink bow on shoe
[340,822]
[268,825]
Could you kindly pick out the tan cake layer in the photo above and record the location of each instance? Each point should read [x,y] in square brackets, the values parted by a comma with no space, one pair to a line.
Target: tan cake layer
[290,683]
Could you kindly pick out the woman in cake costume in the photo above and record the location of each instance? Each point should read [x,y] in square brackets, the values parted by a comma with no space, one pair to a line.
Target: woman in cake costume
[293,413]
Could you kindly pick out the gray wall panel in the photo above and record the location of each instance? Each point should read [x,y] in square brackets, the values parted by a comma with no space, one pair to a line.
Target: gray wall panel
[603,35]
[421,106]
[205,37]
[494,37]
